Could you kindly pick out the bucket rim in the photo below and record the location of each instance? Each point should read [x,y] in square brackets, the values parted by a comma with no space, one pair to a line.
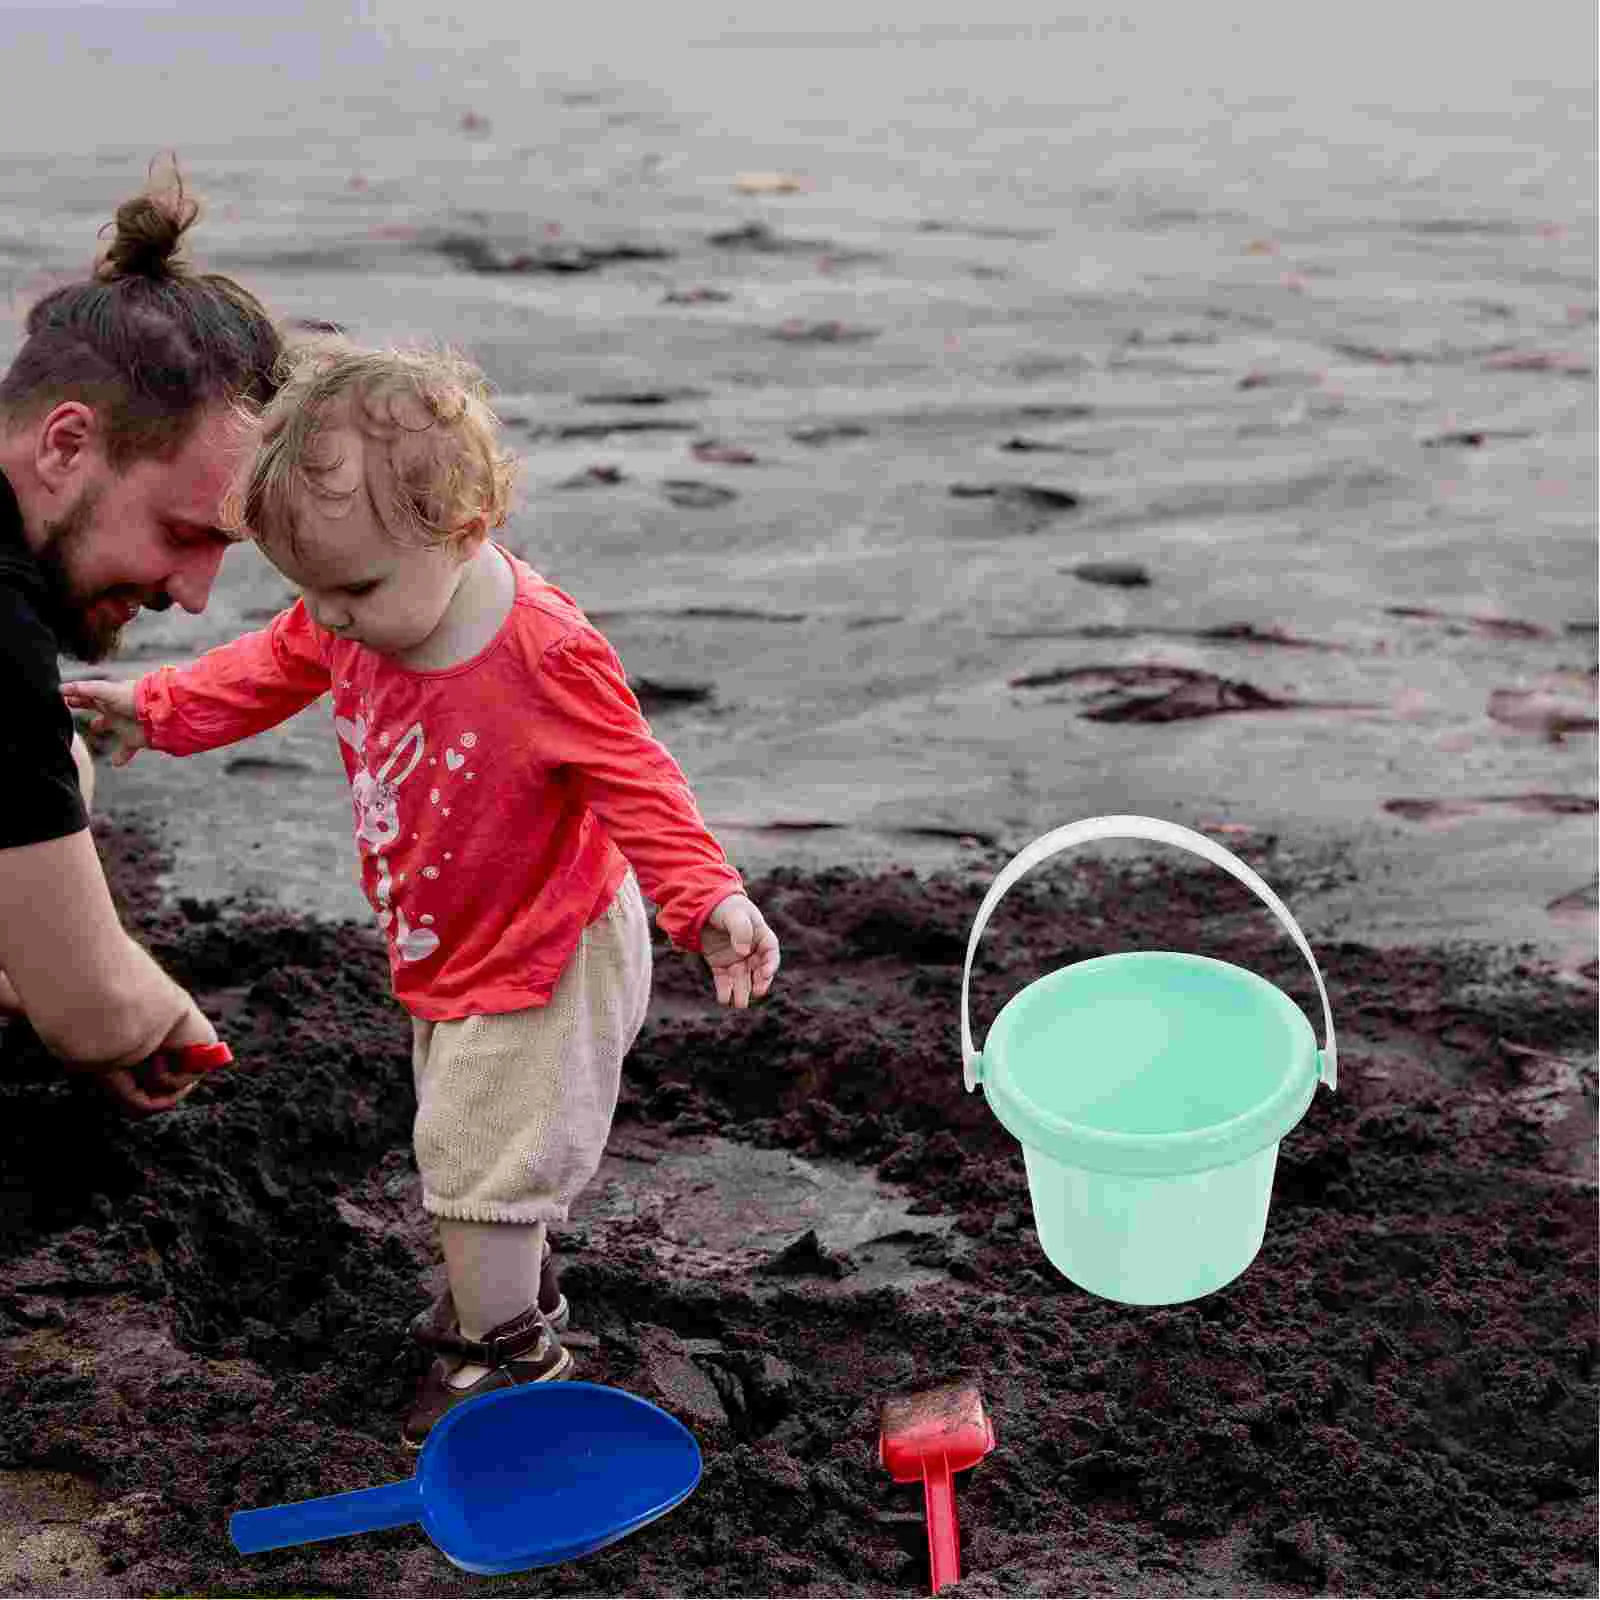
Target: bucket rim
[1220,1144]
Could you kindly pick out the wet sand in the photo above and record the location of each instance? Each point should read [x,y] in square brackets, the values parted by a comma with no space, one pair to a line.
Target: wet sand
[802,1212]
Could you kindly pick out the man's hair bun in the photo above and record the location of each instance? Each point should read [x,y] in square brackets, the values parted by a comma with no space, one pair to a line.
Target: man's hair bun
[148,242]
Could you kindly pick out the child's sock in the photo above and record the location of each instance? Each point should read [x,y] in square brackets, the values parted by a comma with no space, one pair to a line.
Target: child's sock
[494,1276]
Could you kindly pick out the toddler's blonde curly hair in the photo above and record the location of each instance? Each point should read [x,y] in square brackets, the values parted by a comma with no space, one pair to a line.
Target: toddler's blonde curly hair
[439,466]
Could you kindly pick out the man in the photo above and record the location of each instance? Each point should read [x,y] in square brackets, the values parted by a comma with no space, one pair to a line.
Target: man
[119,432]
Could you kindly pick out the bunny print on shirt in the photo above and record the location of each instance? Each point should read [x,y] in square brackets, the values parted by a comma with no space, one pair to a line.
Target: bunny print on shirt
[376,796]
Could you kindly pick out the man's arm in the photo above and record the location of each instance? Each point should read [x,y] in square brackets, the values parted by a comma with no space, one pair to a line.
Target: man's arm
[91,993]
[84,762]
[10,1003]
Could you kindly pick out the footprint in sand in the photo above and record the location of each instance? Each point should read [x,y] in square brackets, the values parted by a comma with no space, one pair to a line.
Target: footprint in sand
[1043,412]
[717,453]
[1577,905]
[774,825]
[695,297]
[1565,703]
[1249,633]
[1118,574]
[642,397]
[703,614]
[1442,813]
[265,767]
[1221,633]
[1494,627]
[758,237]
[739,614]
[1473,438]
[1174,694]
[603,430]
[797,331]
[695,496]
[655,695]
[978,230]
[820,433]
[596,477]
[1540,361]
[1022,443]
[477,254]
[965,838]
[1255,378]
[1033,502]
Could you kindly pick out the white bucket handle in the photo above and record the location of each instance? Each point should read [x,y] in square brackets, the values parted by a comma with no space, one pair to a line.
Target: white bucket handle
[1076,833]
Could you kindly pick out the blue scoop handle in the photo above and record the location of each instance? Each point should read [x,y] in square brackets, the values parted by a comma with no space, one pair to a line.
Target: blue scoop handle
[331,1516]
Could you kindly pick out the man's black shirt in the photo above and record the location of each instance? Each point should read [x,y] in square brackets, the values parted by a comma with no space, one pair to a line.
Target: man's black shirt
[41,799]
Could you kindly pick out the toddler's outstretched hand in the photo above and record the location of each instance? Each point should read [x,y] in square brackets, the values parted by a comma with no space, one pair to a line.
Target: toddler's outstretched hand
[113,705]
[740,949]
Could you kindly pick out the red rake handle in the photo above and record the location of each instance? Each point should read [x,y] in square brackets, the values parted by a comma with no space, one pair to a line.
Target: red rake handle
[944,1532]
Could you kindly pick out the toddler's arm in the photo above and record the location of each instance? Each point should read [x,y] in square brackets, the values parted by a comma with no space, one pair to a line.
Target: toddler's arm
[589,720]
[231,693]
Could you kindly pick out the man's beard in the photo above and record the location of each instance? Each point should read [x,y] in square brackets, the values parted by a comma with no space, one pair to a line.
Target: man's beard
[80,628]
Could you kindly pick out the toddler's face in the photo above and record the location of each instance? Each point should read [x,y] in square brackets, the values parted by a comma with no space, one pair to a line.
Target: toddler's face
[357,582]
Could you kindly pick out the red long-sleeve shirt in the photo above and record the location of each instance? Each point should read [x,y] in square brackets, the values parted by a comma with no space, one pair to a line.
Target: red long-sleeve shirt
[498,803]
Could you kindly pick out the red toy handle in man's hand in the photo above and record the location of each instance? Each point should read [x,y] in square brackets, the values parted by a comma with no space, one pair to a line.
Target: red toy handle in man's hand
[196,1057]
[158,1082]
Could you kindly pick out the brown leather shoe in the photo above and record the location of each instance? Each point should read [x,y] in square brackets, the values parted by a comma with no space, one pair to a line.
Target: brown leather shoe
[523,1350]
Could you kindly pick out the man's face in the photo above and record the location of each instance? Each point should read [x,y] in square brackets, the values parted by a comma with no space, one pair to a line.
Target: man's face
[144,537]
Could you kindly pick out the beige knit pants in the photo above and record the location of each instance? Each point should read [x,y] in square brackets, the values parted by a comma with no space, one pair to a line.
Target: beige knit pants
[513,1110]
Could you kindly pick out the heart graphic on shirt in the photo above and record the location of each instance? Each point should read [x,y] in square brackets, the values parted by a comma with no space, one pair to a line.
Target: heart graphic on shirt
[354,733]
[453,760]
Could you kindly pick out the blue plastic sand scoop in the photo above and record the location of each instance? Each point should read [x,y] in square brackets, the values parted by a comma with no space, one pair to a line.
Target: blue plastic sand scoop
[519,1478]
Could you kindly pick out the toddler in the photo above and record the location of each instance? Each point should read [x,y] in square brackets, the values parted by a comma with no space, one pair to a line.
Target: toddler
[505,785]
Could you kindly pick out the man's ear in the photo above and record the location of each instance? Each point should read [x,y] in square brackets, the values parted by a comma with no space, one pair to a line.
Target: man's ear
[68,442]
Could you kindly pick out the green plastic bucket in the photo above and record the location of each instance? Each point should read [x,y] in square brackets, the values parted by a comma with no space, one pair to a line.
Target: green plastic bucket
[1149,1092]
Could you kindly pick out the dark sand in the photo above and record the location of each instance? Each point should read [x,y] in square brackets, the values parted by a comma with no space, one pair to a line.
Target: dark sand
[205,1312]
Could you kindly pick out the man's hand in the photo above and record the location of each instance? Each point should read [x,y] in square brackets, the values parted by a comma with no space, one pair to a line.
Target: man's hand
[146,1089]
[141,1091]
[740,949]
[153,1085]
[114,716]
